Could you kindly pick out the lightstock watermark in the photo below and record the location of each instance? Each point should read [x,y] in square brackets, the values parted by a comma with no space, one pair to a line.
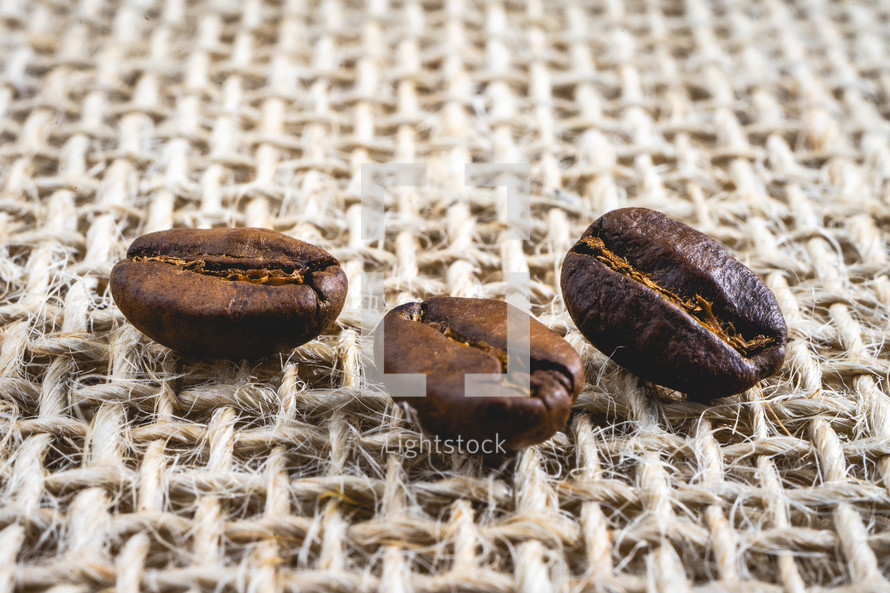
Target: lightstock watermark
[511,182]
[435,445]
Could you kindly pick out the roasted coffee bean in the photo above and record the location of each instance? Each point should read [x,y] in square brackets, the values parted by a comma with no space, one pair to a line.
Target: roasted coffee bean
[446,338]
[672,305]
[228,293]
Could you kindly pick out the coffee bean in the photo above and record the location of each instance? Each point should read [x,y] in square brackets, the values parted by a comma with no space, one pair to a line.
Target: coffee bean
[672,305]
[228,293]
[446,338]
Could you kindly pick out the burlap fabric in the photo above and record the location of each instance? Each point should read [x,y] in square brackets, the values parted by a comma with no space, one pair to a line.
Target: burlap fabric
[125,465]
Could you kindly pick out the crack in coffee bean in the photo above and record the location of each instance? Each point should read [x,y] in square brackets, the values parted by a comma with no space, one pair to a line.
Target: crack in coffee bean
[499,353]
[700,309]
[449,333]
[239,269]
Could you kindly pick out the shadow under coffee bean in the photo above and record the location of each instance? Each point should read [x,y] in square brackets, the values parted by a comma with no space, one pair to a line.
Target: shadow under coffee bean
[228,293]
[446,338]
[672,305]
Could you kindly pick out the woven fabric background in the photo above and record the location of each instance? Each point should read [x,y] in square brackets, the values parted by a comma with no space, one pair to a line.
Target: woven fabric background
[123,464]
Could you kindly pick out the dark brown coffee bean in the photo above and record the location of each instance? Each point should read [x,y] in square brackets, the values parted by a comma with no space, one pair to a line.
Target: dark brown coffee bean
[446,338]
[672,305]
[228,293]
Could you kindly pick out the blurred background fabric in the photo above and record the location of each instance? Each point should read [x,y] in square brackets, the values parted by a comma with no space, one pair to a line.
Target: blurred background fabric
[123,464]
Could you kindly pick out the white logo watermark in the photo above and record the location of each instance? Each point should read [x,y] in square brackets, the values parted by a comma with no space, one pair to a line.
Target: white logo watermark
[411,448]
[515,213]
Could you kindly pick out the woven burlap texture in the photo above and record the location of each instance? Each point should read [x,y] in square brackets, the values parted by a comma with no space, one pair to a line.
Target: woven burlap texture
[123,464]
